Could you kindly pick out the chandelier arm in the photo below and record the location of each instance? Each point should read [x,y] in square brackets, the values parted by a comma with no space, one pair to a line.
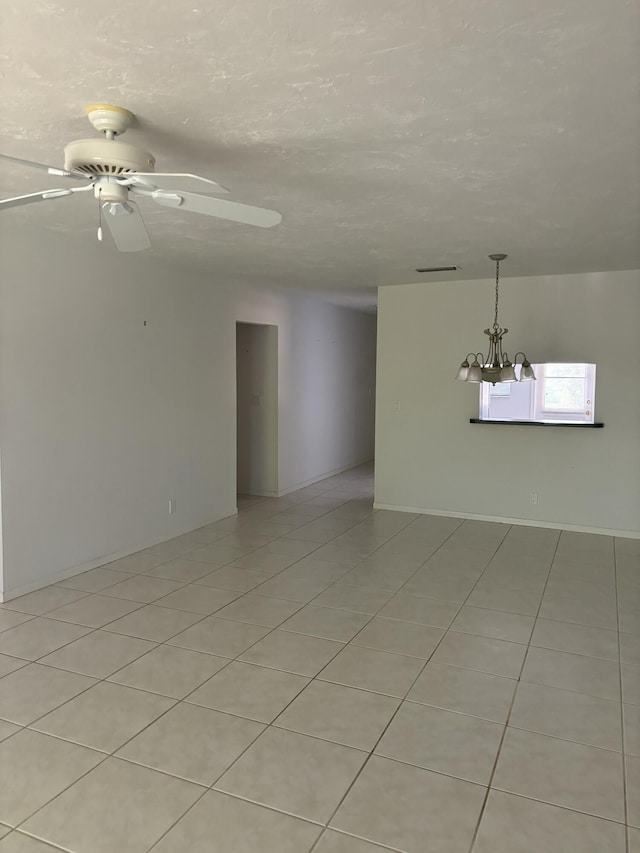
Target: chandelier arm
[524,357]
[492,356]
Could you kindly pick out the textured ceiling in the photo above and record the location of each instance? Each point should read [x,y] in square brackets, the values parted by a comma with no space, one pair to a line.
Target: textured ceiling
[389,135]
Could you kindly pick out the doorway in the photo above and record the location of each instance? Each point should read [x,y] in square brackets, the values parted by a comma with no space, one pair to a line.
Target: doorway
[257,409]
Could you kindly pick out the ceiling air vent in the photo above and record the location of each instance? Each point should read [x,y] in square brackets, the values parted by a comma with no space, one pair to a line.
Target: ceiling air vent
[436,269]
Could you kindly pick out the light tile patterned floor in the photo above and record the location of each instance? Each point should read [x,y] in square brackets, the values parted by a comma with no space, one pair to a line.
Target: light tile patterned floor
[314,675]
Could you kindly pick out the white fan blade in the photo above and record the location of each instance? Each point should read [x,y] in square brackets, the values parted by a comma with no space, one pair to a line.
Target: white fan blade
[176,182]
[52,170]
[245,213]
[126,226]
[28,199]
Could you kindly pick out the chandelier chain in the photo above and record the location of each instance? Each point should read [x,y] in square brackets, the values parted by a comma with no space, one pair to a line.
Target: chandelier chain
[495,319]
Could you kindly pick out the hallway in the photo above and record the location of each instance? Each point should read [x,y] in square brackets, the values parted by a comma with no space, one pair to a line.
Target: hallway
[314,675]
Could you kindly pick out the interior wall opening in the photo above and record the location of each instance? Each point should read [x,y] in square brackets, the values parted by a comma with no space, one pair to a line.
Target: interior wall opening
[257,409]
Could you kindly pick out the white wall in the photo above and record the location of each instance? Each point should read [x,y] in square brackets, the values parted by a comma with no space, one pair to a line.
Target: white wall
[103,419]
[429,458]
[257,408]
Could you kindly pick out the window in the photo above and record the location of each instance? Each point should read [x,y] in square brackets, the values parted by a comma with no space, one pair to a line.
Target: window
[501,390]
[564,392]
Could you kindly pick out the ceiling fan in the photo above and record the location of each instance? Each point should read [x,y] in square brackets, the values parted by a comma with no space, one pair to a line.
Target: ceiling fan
[118,172]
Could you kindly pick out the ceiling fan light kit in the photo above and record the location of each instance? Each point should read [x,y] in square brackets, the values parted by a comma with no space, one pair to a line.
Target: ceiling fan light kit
[495,367]
[115,171]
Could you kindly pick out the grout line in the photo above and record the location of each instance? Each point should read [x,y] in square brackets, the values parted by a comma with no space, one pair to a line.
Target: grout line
[556,805]
[6,605]
[622,725]
[326,830]
[403,698]
[513,699]
[23,833]
[308,821]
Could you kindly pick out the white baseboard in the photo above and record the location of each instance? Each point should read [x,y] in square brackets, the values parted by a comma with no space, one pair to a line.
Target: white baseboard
[317,479]
[527,522]
[99,561]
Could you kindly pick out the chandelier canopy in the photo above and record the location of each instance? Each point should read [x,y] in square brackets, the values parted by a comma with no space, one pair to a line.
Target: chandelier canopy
[495,366]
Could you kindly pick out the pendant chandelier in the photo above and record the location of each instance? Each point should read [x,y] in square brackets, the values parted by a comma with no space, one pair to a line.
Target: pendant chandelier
[496,366]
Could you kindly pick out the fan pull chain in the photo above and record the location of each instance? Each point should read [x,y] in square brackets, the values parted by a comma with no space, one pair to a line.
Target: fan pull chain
[99,215]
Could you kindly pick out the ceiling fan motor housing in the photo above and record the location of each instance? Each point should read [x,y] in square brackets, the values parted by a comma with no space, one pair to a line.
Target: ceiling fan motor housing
[106,157]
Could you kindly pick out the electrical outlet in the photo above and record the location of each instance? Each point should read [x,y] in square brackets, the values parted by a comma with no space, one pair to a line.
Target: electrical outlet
[396,405]
[533,497]
[172,506]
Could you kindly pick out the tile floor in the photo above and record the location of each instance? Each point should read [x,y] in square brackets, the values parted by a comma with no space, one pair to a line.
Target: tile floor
[313,675]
